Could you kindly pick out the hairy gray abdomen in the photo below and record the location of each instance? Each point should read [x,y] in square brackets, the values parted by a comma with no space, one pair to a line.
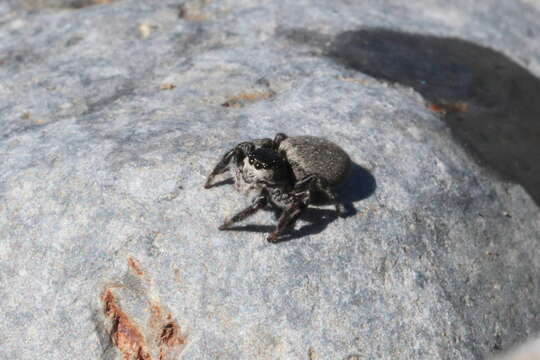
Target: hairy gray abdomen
[314,155]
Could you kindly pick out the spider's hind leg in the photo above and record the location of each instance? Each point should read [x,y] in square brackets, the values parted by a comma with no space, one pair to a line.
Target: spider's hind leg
[315,183]
[286,220]
[258,203]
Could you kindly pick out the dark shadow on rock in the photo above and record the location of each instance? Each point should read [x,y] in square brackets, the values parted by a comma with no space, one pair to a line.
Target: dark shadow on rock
[227,181]
[253,228]
[317,220]
[491,103]
[359,186]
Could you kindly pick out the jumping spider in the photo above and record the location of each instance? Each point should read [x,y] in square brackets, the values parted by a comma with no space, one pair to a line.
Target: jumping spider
[288,173]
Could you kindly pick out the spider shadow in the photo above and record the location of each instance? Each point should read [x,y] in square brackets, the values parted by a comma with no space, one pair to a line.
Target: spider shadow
[227,181]
[359,185]
[317,220]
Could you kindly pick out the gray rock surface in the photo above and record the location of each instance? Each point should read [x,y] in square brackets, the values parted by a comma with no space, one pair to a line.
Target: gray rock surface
[111,116]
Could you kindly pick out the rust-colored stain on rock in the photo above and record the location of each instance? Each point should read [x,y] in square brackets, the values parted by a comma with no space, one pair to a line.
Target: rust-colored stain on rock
[167,86]
[448,108]
[171,336]
[125,335]
[135,266]
[245,98]
[160,339]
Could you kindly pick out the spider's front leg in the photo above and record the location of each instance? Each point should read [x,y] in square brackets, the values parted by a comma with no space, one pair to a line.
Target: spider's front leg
[237,154]
[258,203]
[287,218]
[278,139]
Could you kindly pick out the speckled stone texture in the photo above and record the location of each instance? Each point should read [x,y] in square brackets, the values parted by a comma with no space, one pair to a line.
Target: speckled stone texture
[112,113]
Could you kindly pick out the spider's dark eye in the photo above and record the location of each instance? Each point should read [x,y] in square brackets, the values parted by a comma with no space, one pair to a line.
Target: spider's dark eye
[251,161]
[257,166]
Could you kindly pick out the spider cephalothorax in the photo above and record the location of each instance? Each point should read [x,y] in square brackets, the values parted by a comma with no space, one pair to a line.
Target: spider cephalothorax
[253,168]
[264,164]
[265,158]
[286,173]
